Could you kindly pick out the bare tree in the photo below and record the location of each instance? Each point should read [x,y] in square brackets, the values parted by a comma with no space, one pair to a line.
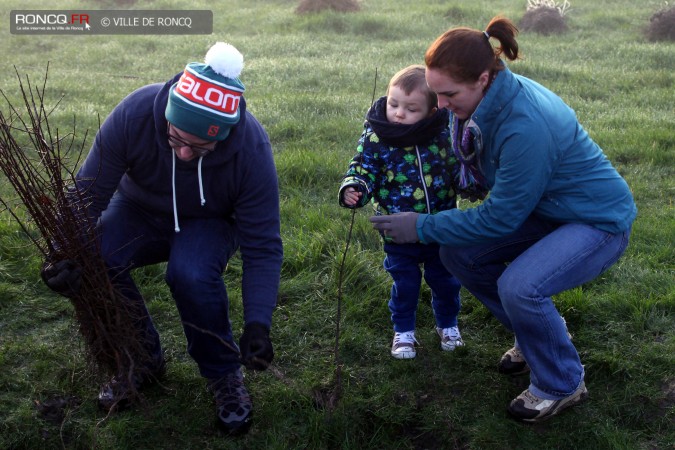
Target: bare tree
[36,160]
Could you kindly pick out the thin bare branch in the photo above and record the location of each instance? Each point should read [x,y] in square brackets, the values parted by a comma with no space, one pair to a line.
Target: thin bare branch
[34,158]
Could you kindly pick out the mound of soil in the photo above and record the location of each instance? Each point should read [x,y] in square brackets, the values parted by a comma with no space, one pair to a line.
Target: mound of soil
[662,26]
[543,20]
[313,6]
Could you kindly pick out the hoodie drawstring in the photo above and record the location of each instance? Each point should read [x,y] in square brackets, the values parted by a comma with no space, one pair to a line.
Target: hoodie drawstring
[173,189]
[173,192]
[201,186]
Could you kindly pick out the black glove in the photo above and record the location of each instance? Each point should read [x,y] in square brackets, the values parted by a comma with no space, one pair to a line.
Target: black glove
[400,228]
[63,277]
[256,347]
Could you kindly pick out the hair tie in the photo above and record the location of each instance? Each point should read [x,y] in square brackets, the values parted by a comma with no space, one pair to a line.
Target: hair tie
[487,35]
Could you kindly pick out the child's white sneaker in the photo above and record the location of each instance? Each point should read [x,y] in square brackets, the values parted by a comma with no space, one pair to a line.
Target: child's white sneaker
[450,338]
[403,346]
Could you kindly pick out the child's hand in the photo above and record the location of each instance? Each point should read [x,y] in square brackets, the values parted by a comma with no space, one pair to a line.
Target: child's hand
[351,196]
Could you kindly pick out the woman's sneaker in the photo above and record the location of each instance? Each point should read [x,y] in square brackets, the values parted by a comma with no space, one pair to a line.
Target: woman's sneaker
[450,338]
[233,402]
[530,408]
[403,346]
[513,363]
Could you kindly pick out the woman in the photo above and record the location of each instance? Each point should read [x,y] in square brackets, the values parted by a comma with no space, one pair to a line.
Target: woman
[558,214]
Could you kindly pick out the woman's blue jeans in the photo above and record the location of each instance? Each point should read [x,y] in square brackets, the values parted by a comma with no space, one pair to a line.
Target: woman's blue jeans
[515,278]
[403,264]
[196,257]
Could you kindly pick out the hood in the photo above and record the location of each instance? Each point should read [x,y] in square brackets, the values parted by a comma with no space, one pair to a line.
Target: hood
[224,151]
[503,89]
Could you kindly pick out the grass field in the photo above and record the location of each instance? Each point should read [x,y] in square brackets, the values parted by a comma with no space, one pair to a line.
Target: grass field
[309,81]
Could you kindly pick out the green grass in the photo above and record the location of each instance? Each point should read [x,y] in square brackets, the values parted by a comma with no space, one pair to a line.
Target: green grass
[309,81]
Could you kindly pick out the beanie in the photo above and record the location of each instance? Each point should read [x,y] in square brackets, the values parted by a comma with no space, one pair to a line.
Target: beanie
[205,100]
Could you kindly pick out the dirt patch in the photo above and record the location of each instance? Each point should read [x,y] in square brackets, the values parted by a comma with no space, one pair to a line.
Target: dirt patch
[314,6]
[326,398]
[53,410]
[119,3]
[543,20]
[668,401]
[662,26]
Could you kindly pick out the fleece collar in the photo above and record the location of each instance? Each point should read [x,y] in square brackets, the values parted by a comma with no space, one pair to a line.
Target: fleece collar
[401,135]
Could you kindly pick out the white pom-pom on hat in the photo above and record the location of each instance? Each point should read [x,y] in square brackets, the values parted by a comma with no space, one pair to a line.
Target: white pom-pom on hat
[225,60]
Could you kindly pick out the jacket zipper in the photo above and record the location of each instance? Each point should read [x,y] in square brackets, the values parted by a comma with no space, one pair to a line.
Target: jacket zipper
[424,184]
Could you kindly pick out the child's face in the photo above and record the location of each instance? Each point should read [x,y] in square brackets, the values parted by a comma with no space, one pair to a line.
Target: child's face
[407,109]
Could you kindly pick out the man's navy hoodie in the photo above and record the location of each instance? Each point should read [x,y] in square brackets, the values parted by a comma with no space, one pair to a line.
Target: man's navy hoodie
[131,154]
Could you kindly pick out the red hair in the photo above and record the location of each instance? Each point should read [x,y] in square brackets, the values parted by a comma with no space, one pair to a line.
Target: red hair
[464,53]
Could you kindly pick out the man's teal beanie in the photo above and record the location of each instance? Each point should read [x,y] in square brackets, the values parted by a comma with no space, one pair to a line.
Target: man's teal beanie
[205,100]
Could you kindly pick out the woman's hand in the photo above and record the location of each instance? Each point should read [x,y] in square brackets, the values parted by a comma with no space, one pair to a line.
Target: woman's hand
[400,228]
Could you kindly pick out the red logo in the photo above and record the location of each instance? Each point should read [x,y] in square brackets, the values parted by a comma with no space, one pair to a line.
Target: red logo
[213,130]
[208,94]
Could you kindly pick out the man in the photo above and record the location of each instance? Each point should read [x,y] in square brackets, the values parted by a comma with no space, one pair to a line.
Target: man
[181,172]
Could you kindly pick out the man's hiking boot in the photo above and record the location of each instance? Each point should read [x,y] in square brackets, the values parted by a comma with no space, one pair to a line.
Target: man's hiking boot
[530,408]
[233,403]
